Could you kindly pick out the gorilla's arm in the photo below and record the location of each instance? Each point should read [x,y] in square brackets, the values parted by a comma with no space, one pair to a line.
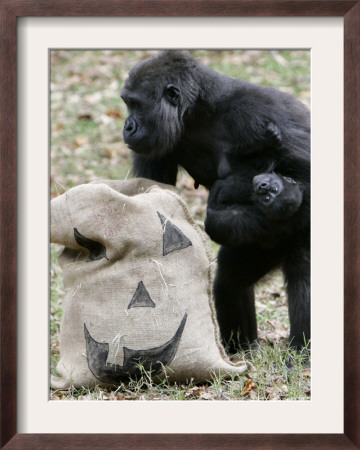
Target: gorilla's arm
[162,169]
[233,190]
[241,225]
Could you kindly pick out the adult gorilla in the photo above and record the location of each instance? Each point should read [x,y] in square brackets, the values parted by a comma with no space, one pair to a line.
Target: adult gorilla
[184,113]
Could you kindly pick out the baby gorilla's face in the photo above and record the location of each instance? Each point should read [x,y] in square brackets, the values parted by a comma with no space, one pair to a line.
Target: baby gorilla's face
[279,196]
[267,187]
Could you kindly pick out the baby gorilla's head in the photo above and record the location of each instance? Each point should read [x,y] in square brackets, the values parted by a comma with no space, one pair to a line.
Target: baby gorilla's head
[279,197]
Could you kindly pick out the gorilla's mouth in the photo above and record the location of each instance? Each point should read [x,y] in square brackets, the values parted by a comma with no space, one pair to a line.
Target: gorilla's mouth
[137,146]
[153,359]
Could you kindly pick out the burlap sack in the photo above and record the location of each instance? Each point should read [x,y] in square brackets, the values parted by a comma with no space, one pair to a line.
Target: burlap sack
[138,287]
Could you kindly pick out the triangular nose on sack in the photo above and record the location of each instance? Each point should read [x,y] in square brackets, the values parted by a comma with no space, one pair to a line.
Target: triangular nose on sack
[141,298]
[173,239]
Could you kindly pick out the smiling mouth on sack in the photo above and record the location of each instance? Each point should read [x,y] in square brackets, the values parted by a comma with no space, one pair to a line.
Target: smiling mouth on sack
[153,359]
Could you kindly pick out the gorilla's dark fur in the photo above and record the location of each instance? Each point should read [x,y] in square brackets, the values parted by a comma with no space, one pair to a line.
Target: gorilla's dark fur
[225,132]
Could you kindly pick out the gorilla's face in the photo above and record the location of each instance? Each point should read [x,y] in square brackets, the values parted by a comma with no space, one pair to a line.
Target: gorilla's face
[139,132]
[158,93]
[153,125]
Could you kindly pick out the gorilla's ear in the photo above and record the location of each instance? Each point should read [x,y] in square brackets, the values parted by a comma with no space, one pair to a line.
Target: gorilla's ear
[172,94]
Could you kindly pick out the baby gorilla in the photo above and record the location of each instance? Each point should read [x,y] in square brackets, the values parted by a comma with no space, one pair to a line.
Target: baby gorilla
[249,211]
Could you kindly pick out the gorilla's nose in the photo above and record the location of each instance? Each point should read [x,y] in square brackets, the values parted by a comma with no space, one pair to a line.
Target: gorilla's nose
[130,127]
[261,184]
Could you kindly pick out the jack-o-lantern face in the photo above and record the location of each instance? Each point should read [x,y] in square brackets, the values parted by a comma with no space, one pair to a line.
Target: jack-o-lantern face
[154,358]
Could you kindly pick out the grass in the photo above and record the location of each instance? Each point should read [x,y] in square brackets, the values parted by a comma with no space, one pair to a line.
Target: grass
[87,117]
[270,380]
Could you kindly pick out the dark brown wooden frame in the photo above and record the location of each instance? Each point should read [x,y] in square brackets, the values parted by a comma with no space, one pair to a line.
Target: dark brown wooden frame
[10,11]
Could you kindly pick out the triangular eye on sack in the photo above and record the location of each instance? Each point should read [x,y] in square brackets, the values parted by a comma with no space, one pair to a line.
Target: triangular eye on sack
[141,298]
[97,250]
[173,238]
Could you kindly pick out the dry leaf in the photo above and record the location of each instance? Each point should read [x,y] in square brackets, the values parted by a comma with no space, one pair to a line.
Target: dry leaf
[249,386]
[273,336]
[206,396]
[81,140]
[114,113]
[195,391]
[85,116]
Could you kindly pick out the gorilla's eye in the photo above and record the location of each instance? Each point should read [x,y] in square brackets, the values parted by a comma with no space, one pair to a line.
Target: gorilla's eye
[267,198]
[172,93]
[131,101]
[275,189]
